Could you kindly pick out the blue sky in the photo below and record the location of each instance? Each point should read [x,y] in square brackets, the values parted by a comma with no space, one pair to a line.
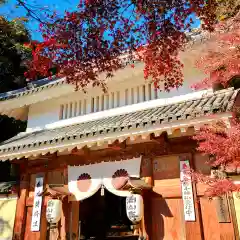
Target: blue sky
[10,11]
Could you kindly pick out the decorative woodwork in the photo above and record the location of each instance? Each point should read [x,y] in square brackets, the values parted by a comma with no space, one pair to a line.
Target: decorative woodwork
[161,140]
[58,191]
[117,146]
[135,184]
[83,151]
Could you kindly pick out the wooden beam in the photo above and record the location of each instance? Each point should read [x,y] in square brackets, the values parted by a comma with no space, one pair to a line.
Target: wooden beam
[83,151]
[143,223]
[75,219]
[64,218]
[162,139]
[21,211]
[117,146]
[43,227]
[234,214]
[149,149]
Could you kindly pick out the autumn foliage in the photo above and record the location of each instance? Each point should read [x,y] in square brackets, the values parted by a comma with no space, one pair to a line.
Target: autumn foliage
[221,143]
[91,44]
[220,60]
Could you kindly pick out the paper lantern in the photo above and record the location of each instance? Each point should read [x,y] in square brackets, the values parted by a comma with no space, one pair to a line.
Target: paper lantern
[134,207]
[54,208]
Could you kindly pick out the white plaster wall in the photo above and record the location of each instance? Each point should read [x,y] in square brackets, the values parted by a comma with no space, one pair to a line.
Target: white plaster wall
[43,113]
[47,112]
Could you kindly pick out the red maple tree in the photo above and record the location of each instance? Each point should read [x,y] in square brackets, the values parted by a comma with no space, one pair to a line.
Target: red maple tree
[221,62]
[220,54]
[221,143]
[103,36]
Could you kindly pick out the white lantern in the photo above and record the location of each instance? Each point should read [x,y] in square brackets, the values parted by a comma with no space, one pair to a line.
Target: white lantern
[54,208]
[134,207]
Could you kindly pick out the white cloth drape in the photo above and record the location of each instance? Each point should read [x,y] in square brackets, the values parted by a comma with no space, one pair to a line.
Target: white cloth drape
[95,182]
[100,174]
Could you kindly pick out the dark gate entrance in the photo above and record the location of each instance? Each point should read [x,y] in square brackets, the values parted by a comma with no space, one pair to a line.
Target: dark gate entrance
[104,217]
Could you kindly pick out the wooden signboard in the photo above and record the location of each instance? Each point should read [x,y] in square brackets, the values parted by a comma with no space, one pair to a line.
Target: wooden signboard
[37,205]
[222,209]
[187,192]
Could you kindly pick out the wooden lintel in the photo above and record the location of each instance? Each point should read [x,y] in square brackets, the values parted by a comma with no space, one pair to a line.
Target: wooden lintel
[150,149]
[117,145]
[137,184]
[162,139]
[83,151]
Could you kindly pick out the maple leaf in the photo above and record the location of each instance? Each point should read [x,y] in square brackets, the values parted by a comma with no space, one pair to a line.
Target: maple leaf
[220,55]
[221,143]
[100,32]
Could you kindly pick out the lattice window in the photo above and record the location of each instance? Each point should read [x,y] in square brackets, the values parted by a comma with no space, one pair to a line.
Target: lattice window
[112,100]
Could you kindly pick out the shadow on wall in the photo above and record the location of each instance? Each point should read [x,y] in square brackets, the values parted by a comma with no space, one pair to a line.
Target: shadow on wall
[160,211]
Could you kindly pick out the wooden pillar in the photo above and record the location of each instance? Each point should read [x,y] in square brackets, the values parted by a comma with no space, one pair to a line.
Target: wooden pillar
[147,174]
[41,234]
[43,227]
[65,218]
[20,217]
[234,202]
[147,195]
[145,219]
[72,226]
[75,220]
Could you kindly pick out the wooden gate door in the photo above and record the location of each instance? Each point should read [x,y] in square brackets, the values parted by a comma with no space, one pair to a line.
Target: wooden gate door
[214,226]
[167,219]
[167,206]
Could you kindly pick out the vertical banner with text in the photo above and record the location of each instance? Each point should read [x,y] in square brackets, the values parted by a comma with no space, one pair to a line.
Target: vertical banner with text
[37,204]
[187,192]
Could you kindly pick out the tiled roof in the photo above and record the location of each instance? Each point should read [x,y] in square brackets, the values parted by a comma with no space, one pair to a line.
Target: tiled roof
[33,87]
[218,102]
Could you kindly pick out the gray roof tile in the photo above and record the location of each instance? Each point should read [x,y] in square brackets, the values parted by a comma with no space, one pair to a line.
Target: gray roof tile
[221,101]
[33,87]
